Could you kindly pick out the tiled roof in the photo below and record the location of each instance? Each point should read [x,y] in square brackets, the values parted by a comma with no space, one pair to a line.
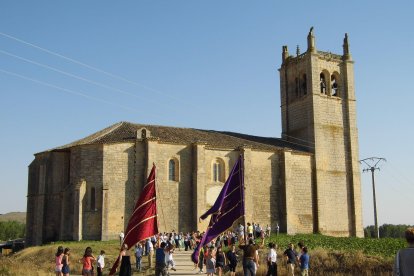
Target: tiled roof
[125,131]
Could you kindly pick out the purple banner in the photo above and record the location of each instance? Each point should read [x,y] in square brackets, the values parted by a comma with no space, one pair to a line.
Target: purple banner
[229,206]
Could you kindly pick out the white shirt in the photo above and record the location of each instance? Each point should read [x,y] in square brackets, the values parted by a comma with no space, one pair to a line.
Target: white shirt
[168,256]
[101,261]
[150,246]
[241,230]
[272,256]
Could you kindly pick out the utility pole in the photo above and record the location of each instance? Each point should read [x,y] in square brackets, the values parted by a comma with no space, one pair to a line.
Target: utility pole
[371,164]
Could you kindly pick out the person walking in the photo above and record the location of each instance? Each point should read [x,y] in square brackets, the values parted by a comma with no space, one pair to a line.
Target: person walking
[291,256]
[160,264]
[121,238]
[169,259]
[271,260]
[125,260]
[221,261]
[138,256]
[250,229]
[65,262]
[304,262]
[232,257]
[150,252]
[201,259]
[58,261]
[101,262]
[268,229]
[240,232]
[226,239]
[211,262]
[87,261]
[186,241]
[404,259]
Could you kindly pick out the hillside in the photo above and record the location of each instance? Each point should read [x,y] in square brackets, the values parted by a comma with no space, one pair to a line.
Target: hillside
[14,216]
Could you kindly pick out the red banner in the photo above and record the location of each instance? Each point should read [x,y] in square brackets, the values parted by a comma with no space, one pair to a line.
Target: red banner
[143,221]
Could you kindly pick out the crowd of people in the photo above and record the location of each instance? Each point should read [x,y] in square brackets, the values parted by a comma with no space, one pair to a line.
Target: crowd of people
[216,257]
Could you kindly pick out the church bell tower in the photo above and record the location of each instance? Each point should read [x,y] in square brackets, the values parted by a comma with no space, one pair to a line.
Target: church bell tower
[319,112]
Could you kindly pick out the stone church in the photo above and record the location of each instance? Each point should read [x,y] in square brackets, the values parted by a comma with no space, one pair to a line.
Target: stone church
[308,181]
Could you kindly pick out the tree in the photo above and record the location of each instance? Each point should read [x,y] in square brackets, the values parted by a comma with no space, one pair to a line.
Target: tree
[10,230]
[386,231]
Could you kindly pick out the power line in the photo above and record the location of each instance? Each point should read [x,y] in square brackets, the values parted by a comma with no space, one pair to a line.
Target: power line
[70,91]
[73,75]
[91,67]
[296,138]
[402,176]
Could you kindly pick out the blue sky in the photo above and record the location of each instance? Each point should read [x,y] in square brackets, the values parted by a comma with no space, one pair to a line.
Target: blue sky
[202,64]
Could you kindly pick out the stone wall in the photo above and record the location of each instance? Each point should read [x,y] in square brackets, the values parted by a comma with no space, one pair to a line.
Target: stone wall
[86,174]
[56,180]
[47,178]
[118,187]
[262,193]
[34,201]
[299,194]
[335,212]
[174,198]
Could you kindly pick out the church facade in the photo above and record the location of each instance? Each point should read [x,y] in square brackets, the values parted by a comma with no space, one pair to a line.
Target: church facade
[308,181]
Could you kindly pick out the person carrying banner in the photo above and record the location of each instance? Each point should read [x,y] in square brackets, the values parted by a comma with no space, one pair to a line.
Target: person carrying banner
[143,221]
[250,261]
[125,260]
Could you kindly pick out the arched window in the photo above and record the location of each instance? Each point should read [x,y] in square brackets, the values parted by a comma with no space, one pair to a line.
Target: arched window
[93,199]
[173,170]
[322,83]
[334,85]
[304,85]
[297,88]
[218,170]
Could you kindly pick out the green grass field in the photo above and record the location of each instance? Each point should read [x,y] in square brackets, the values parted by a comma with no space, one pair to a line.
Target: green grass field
[385,247]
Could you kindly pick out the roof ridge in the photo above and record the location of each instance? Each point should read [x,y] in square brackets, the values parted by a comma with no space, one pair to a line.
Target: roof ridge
[113,128]
[176,127]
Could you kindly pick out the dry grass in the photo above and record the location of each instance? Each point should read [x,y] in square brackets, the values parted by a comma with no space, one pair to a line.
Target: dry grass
[39,260]
[335,263]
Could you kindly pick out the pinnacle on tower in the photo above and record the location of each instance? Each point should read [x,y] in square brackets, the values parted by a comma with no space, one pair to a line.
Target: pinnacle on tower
[285,53]
[311,41]
[347,54]
[297,50]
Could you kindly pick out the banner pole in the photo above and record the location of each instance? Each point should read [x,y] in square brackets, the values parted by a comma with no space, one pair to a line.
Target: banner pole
[242,196]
